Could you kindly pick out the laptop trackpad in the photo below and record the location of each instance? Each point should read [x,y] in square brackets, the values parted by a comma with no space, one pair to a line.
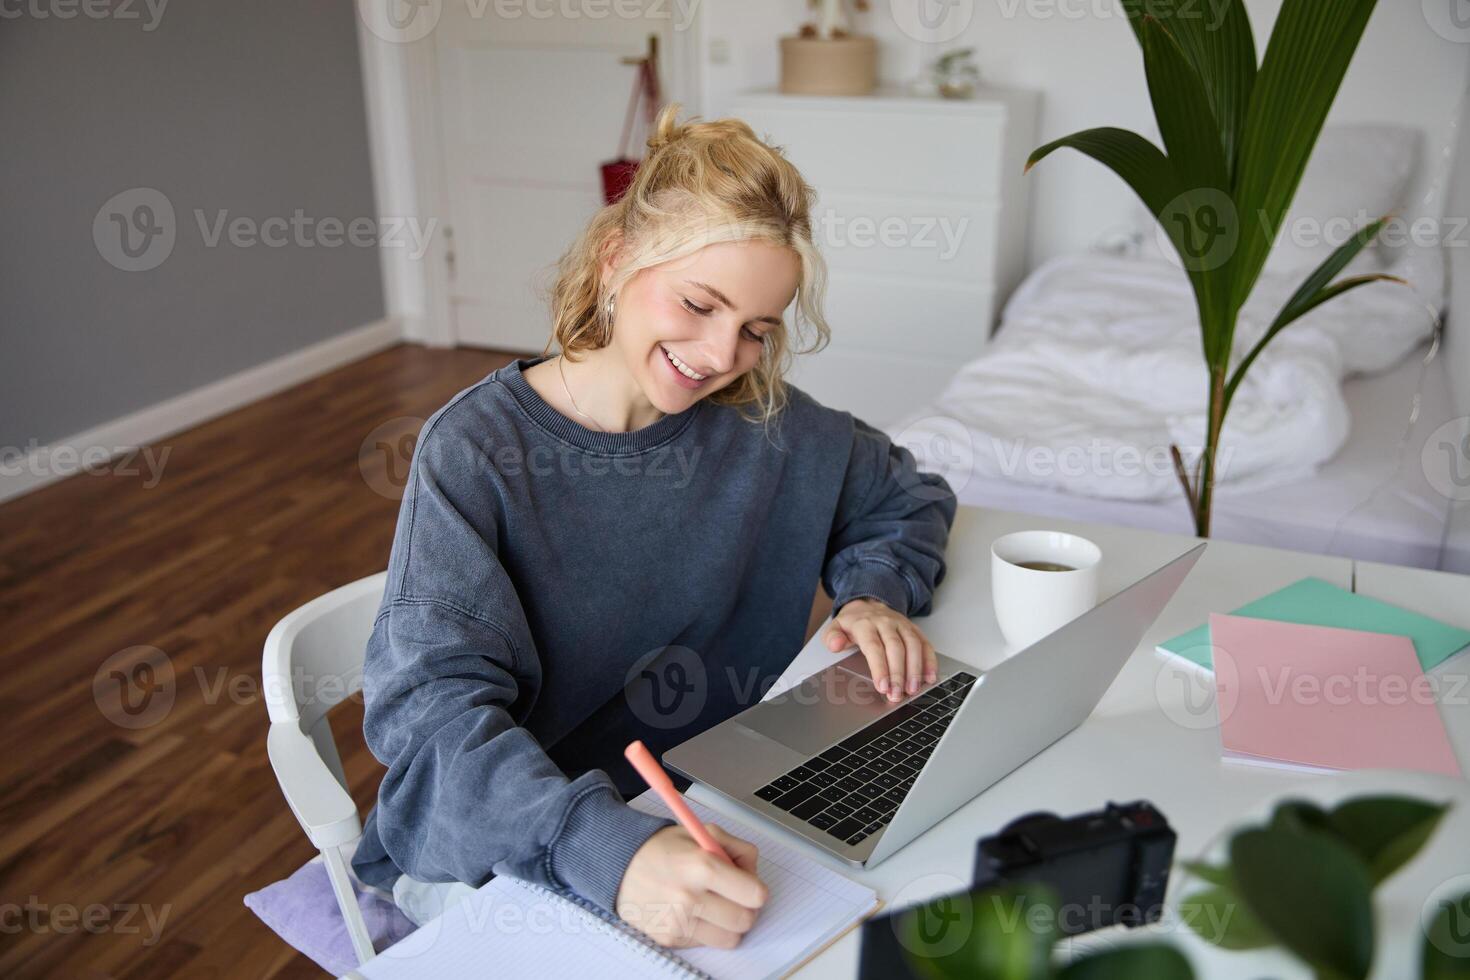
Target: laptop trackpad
[822,709]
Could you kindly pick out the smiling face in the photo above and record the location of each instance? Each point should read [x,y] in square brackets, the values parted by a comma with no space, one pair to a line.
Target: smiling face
[688,328]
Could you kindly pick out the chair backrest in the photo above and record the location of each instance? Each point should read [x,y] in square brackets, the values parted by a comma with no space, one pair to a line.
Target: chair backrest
[313,660]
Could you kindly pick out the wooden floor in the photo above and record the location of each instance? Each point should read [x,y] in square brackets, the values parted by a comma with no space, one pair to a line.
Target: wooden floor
[102,825]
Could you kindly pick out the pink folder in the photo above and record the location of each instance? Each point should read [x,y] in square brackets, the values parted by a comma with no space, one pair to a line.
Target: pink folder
[1321,698]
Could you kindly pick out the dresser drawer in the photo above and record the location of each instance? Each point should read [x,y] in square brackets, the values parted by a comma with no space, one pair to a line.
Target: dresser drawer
[932,238]
[895,315]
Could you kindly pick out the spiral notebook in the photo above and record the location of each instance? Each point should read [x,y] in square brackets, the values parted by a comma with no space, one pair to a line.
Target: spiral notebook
[514,928]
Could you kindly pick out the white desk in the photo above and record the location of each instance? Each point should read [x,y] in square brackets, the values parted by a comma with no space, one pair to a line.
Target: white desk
[1153,737]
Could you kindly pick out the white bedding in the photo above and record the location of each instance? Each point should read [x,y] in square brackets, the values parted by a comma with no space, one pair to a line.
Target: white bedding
[1097,369]
[1371,501]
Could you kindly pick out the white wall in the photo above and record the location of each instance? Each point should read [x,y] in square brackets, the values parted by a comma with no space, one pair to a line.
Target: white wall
[1082,57]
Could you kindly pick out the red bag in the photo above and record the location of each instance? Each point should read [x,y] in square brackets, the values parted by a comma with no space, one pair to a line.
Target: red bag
[617,174]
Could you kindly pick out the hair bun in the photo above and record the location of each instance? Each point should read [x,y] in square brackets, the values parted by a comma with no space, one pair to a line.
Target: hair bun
[665,129]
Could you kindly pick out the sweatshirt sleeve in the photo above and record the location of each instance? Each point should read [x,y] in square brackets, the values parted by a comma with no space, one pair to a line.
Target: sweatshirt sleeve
[451,671]
[891,527]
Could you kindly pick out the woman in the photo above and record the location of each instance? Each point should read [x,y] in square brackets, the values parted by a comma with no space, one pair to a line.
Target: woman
[622,541]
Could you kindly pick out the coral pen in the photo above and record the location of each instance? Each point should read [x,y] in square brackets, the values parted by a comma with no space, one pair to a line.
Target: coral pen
[659,781]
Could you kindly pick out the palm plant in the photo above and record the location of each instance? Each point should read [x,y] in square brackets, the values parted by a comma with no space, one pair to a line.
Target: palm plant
[1236,138]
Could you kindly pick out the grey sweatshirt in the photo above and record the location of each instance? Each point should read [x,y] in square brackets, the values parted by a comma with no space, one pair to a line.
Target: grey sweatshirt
[555,592]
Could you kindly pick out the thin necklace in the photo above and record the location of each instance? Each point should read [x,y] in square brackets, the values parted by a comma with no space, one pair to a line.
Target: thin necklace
[563,372]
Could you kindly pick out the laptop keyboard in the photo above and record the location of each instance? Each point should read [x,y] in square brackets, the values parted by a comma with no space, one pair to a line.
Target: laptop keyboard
[854,788]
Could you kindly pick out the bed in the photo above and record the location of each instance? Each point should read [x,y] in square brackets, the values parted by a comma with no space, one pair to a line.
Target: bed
[1096,364]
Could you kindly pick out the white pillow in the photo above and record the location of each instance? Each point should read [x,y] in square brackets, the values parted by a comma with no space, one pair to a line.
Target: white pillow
[1356,175]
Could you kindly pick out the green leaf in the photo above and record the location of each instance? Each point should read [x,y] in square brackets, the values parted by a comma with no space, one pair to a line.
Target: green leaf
[1301,816]
[1144,961]
[1216,38]
[1212,873]
[1142,165]
[1311,45]
[1194,219]
[1219,916]
[1447,942]
[1182,110]
[1005,933]
[1386,831]
[1313,292]
[1312,893]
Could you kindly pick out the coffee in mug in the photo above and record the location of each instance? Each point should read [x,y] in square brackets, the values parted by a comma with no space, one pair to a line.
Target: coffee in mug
[1040,581]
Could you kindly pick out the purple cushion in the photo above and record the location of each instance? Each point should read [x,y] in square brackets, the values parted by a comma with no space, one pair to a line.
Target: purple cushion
[302,910]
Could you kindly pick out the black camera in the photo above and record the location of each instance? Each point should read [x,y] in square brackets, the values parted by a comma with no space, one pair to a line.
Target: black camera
[1109,867]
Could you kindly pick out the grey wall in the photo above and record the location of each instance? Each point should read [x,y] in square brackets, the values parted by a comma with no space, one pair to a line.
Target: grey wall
[254,108]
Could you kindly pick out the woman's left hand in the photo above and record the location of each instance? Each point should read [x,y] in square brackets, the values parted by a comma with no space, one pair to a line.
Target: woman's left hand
[900,657]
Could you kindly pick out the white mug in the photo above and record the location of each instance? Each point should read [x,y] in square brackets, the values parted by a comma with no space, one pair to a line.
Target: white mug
[1030,602]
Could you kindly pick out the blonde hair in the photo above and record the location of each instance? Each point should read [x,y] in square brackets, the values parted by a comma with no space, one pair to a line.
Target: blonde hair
[700,183]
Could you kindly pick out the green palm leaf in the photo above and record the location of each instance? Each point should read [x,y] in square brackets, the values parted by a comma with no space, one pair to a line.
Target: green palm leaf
[1306,58]
[1217,40]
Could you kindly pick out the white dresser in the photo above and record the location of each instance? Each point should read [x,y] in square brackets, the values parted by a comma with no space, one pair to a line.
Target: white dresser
[922,217]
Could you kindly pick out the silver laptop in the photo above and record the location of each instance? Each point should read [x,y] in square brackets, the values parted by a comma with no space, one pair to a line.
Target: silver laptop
[860,776]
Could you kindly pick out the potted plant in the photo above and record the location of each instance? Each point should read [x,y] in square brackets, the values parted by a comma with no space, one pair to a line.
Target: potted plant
[828,57]
[1236,136]
[1302,880]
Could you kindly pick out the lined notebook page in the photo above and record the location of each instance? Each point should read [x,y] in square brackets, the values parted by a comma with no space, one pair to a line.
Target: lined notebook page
[509,928]
[809,906]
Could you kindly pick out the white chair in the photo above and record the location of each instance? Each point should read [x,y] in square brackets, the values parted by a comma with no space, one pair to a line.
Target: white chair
[313,661]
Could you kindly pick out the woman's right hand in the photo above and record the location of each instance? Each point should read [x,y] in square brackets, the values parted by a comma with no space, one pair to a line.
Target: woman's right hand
[681,895]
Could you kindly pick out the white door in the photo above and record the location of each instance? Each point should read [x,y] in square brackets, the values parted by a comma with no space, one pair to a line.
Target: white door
[531,100]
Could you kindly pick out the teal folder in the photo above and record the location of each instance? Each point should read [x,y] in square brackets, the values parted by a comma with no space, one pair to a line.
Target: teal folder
[1314,602]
